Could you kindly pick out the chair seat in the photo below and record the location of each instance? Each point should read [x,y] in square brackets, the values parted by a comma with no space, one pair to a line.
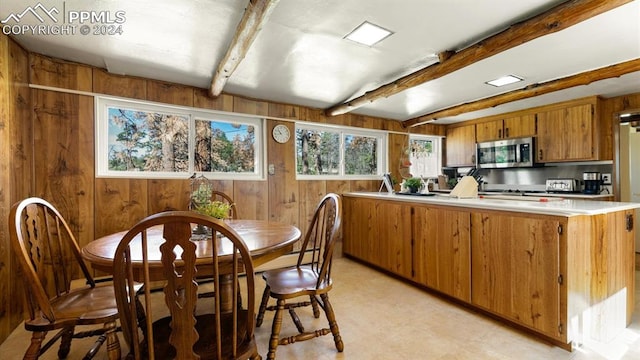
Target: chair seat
[312,280]
[84,306]
[204,347]
[293,282]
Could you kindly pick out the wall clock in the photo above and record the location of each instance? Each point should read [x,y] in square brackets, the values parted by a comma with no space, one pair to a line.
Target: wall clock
[281,133]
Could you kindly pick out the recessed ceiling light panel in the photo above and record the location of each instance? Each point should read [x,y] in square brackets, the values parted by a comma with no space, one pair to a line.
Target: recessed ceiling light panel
[368,34]
[505,80]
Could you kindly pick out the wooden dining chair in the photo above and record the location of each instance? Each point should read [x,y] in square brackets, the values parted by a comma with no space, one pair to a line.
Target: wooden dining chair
[233,214]
[223,197]
[49,258]
[212,328]
[312,279]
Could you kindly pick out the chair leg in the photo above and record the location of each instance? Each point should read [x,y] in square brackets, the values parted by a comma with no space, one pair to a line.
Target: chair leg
[96,346]
[333,325]
[113,344]
[275,330]
[314,305]
[263,306]
[33,351]
[296,320]
[65,342]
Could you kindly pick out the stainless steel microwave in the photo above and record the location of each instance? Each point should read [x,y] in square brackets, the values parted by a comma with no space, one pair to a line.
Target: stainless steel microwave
[505,153]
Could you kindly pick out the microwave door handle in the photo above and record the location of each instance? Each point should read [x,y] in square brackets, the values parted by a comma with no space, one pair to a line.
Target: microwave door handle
[518,154]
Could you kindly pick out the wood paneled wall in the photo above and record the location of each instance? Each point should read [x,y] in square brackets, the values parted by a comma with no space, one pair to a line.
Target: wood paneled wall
[15,170]
[49,135]
[47,145]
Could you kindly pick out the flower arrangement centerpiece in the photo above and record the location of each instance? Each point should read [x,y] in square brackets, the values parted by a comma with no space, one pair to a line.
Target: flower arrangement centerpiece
[200,202]
[216,209]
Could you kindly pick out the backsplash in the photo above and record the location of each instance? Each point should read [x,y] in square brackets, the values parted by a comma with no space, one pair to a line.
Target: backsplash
[535,178]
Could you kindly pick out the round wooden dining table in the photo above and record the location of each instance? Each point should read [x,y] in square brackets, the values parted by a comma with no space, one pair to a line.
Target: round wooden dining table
[265,240]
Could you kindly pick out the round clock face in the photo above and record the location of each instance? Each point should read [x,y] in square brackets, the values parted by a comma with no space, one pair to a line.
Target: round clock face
[281,133]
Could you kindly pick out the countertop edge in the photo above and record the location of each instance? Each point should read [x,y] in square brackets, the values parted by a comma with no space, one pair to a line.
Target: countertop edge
[565,207]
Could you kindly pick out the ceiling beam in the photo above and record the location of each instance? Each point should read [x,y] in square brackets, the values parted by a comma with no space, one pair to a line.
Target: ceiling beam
[530,91]
[555,19]
[255,15]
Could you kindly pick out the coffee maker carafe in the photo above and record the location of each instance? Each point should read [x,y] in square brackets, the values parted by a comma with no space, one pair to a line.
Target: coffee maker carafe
[592,181]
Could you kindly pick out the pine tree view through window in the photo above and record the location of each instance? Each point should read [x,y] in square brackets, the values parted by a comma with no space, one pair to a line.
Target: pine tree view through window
[360,155]
[147,141]
[324,152]
[224,147]
[150,140]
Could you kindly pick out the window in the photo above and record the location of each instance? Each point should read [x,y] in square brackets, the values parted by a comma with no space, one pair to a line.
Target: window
[324,152]
[148,140]
[425,155]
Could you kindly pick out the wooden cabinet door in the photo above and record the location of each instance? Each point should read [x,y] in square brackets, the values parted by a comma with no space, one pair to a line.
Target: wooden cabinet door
[516,269]
[441,252]
[566,134]
[378,232]
[490,130]
[519,126]
[461,146]
[393,233]
[579,130]
[359,228]
[508,128]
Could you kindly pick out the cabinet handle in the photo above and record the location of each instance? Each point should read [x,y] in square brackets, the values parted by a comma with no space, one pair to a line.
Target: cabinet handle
[629,219]
[499,133]
[506,132]
[540,155]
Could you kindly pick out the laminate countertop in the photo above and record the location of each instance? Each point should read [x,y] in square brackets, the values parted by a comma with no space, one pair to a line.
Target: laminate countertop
[546,205]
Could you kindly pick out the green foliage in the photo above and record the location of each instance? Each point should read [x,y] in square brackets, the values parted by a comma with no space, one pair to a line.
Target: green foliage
[201,195]
[413,183]
[224,147]
[147,141]
[216,209]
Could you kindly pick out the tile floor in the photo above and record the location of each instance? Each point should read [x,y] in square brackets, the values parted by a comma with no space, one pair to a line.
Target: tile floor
[383,318]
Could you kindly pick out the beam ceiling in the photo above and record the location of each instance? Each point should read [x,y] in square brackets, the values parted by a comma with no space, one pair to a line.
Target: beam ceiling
[255,15]
[530,91]
[556,19]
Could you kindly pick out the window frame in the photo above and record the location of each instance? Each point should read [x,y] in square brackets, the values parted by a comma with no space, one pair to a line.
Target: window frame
[101,114]
[438,150]
[381,150]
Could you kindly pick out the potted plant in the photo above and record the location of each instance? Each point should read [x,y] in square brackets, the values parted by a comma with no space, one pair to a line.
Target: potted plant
[413,184]
[216,209]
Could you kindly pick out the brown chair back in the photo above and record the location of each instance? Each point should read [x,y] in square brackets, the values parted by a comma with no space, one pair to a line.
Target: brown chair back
[194,328]
[321,236]
[50,259]
[306,279]
[48,254]
[220,196]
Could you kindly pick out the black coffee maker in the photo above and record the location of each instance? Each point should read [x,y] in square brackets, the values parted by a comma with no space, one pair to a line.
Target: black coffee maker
[592,181]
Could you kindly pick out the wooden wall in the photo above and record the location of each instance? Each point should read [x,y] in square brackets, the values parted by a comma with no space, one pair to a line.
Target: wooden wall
[47,147]
[49,135]
[16,162]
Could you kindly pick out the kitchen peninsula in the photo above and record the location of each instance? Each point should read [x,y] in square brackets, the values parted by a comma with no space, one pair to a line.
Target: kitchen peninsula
[562,269]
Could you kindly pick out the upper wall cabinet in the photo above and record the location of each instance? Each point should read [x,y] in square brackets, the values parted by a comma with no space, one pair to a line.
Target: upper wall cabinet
[461,145]
[508,128]
[568,134]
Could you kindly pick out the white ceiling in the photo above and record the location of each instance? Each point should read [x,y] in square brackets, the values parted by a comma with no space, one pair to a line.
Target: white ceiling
[300,56]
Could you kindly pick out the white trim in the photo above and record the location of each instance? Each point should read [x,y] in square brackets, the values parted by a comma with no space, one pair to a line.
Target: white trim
[102,103]
[91,93]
